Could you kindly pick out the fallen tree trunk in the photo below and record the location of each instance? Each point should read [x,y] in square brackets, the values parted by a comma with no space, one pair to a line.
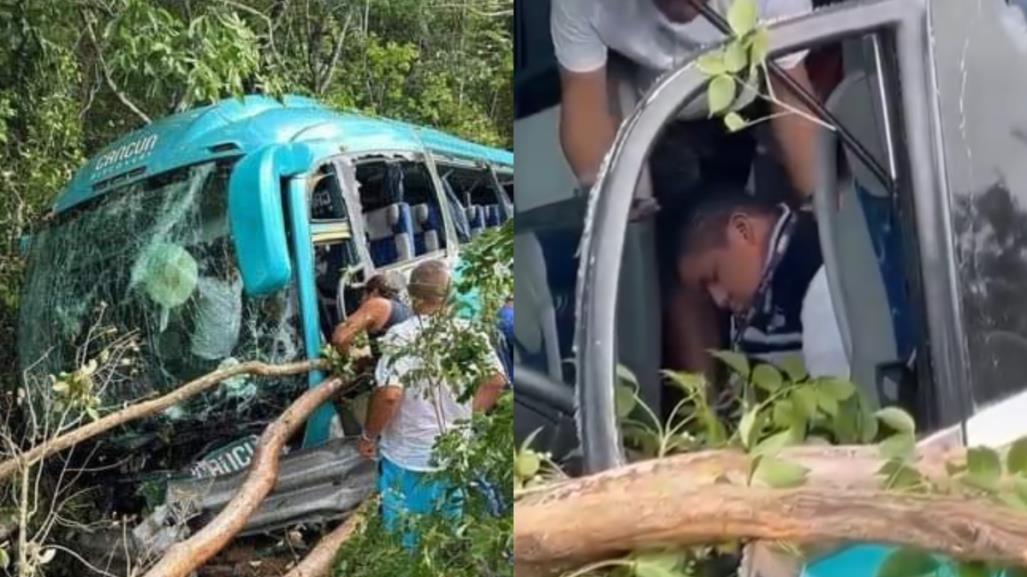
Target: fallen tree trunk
[684,500]
[153,406]
[318,563]
[185,557]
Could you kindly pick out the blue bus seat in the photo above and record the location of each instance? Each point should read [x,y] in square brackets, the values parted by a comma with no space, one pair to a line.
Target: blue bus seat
[390,232]
[427,227]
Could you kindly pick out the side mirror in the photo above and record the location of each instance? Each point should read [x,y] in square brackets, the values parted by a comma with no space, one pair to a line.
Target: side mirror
[256,216]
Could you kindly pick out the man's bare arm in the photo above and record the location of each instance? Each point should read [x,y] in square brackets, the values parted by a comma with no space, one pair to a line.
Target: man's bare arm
[795,134]
[587,128]
[488,392]
[367,317]
[692,330]
[381,409]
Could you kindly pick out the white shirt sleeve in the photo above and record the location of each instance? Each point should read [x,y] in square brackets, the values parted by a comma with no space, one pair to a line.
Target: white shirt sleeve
[778,9]
[390,372]
[576,42]
[823,350]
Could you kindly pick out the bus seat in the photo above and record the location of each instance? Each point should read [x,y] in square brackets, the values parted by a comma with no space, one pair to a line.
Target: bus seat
[491,215]
[426,228]
[475,218]
[858,233]
[389,230]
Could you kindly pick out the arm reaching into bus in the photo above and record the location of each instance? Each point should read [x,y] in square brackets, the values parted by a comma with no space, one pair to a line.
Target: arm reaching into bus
[587,128]
[371,316]
[795,134]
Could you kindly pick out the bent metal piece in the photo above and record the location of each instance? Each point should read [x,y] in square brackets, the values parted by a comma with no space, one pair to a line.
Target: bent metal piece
[314,485]
[606,221]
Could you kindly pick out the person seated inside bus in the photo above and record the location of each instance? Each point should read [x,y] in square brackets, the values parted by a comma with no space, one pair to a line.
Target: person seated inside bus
[762,263]
[380,309]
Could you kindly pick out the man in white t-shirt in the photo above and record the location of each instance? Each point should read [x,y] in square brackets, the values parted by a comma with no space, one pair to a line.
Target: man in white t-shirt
[655,35]
[409,414]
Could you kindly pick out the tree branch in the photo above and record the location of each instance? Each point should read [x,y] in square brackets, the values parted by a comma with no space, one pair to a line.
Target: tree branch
[318,563]
[147,408]
[326,75]
[683,500]
[185,557]
[107,73]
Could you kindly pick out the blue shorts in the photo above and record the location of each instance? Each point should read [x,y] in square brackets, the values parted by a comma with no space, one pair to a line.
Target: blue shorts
[405,493]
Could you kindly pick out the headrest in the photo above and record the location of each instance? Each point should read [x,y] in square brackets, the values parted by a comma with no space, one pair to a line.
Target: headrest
[420,213]
[379,222]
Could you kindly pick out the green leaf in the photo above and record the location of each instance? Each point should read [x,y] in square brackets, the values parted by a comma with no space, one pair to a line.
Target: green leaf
[1016,458]
[827,403]
[780,474]
[527,464]
[5,560]
[669,560]
[898,446]
[690,383]
[624,400]
[712,63]
[907,563]
[766,377]
[840,389]
[897,419]
[900,475]
[983,466]
[868,430]
[774,443]
[650,569]
[720,93]
[735,122]
[805,399]
[785,415]
[793,367]
[758,46]
[626,376]
[742,16]
[748,427]
[736,57]
[1020,487]
[737,362]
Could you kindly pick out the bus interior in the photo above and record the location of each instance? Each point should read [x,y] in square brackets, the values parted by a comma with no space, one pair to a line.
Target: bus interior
[865,224]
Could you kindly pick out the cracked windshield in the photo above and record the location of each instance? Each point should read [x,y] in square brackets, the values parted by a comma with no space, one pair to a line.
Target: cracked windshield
[153,263]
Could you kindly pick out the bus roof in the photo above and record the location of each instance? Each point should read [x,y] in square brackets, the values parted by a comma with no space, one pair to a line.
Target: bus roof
[237,126]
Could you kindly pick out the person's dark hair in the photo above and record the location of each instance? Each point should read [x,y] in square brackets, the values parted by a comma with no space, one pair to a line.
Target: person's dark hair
[381,284]
[705,226]
[429,282]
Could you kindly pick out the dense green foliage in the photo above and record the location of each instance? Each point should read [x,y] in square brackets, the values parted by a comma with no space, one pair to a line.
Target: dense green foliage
[75,74]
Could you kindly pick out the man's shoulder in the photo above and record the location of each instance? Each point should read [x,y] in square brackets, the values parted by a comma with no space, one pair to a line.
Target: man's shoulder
[403,329]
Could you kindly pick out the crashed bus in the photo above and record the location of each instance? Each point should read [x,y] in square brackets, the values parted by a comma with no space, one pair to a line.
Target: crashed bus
[238,231]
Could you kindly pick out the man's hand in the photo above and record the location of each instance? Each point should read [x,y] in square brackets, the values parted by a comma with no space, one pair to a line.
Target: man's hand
[367,448]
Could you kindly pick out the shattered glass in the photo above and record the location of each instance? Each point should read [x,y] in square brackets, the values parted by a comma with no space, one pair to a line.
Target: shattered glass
[156,259]
[980,50]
